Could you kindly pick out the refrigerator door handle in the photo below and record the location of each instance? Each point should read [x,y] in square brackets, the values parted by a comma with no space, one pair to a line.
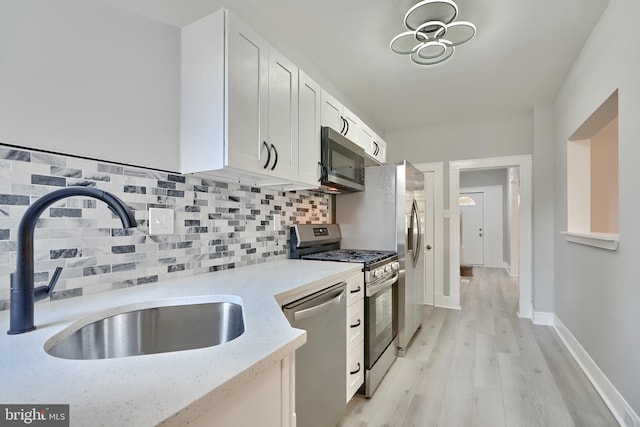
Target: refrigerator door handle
[415,212]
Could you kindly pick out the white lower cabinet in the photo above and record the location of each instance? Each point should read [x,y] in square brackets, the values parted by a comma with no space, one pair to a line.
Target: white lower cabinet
[355,368]
[267,401]
[355,334]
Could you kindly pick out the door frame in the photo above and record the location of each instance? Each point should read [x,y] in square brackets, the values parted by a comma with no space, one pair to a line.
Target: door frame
[437,168]
[523,162]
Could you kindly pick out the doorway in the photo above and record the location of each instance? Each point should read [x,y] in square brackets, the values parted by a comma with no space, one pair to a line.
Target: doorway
[524,244]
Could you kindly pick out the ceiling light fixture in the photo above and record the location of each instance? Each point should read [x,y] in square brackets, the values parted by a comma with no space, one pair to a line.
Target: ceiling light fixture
[432,34]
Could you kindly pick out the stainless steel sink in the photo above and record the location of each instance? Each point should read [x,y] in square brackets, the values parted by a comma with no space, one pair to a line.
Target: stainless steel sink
[153,330]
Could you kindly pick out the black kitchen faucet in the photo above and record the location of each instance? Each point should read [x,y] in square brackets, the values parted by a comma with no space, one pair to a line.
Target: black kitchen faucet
[23,293]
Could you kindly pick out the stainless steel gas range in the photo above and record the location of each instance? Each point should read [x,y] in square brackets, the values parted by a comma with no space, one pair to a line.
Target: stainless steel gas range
[381,272]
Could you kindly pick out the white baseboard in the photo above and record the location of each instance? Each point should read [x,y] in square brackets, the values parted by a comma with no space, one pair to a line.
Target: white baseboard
[507,267]
[543,318]
[444,301]
[619,407]
[525,309]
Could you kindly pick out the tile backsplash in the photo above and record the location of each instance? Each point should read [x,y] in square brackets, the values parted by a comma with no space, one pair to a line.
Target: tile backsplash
[217,225]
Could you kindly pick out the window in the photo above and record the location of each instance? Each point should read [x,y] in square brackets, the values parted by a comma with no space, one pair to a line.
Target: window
[466,201]
[592,177]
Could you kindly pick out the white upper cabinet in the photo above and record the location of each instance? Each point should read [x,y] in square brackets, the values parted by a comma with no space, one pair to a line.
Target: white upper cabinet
[309,106]
[378,149]
[332,112]
[282,136]
[339,118]
[374,147]
[247,80]
[239,117]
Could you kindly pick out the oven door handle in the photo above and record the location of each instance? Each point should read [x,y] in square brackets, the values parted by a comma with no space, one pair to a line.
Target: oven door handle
[374,289]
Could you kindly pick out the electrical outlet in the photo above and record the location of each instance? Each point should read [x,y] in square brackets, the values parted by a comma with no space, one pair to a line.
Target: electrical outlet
[161,221]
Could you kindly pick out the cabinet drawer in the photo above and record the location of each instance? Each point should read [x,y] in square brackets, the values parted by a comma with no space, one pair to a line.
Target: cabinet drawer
[355,370]
[355,288]
[355,325]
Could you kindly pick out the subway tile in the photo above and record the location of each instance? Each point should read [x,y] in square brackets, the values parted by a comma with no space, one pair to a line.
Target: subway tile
[112,169]
[123,249]
[97,177]
[48,180]
[97,269]
[215,223]
[10,199]
[64,212]
[80,182]
[66,172]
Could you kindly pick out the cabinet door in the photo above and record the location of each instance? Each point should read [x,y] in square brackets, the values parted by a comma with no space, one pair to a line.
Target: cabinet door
[365,139]
[283,117]
[355,370]
[382,150]
[247,105]
[309,105]
[331,114]
[352,128]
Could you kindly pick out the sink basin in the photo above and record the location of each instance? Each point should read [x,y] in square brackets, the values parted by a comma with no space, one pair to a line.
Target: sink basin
[151,330]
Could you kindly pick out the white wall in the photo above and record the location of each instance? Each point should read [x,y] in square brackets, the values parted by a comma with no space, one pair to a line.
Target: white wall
[597,295]
[84,78]
[80,78]
[543,209]
[489,137]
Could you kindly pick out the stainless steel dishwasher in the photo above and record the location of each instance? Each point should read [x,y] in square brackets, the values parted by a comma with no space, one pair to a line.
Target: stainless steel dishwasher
[321,363]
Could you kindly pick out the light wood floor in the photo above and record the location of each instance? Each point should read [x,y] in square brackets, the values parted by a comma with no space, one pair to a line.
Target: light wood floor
[482,366]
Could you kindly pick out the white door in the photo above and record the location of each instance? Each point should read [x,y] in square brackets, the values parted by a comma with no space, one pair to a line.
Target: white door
[429,264]
[472,228]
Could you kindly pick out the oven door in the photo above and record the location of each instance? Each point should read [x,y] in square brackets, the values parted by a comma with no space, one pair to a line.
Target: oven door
[381,325]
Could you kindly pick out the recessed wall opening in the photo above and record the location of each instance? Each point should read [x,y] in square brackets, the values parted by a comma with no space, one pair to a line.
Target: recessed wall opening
[592,172]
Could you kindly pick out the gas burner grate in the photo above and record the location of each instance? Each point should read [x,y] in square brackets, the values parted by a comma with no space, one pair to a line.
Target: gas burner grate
[351,255]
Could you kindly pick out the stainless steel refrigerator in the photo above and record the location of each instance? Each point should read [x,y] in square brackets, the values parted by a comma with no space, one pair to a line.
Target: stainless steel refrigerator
[388,215]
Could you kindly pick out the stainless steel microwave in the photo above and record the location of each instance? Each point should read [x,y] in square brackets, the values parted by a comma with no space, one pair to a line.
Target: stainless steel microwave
[342,163]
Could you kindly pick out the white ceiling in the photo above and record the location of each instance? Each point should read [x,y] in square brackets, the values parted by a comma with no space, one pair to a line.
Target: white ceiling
[520,56]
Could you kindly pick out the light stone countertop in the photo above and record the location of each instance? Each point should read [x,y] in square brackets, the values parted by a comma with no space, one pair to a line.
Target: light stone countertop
[168,388]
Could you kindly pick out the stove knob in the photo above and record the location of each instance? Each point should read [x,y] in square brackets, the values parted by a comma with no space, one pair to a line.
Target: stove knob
[378,273]
[387,268]
[395,266]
